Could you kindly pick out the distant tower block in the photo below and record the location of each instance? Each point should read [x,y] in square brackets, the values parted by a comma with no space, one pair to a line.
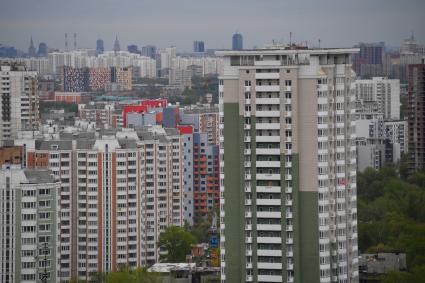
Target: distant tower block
[117,45]
[66,41]
[75,41]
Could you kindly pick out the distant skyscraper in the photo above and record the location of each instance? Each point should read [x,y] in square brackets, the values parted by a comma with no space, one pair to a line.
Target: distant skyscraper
[42,50]
[416,102]
[133,49]
[198,46]
[149,51]
[117,45]
[99,46]
[31,49]
[237,41]
[368,63]
[288,193]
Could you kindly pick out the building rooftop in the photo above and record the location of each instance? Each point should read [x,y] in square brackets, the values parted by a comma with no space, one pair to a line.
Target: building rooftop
[287,50]
[53,144]
[169,267]
[37,176]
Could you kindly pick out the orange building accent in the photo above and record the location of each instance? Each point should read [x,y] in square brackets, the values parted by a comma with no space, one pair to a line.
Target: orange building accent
[99,213]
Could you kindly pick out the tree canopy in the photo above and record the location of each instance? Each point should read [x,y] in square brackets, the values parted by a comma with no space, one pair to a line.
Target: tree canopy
[391,214]
[177,242]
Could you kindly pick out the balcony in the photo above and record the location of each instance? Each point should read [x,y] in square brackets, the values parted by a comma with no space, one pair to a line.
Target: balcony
[270,278]
[267,164]
[268,177]
[267,76]
[268,202]
[267,126]
[269,265]
[275,100]
[269,189]
[269,240]
[267,113]
[269,253]
[269,214]
[267,151]
[267,138]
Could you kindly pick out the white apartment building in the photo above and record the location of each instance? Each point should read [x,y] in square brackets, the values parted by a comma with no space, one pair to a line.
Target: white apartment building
[18,102]
[119,191]
[209,65]
[378,96]
[288,166]
[29,217]
[146,67]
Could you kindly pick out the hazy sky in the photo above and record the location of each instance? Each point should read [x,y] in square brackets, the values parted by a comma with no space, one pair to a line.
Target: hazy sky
[180,22]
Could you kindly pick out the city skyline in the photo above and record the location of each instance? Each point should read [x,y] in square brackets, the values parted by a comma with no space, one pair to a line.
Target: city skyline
[148,23]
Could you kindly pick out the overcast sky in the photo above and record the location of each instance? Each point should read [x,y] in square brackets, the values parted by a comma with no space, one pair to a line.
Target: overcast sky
[179,22]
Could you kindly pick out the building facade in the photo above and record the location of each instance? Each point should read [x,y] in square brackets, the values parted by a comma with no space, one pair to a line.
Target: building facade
[416,104]
[119,192]
[288,166]
[29,208]
[378,96]
[19,101]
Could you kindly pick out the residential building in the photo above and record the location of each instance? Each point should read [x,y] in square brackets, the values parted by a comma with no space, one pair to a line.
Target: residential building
[206,187]
[122,77]
[369,61]
[119,191]
[396,132]
[373,266]
[371,144]
[288,166]
[180,78]
[149,51]
[10,154]
[378,96]
[203,120]
[19,101]
[29,225]
[416,118]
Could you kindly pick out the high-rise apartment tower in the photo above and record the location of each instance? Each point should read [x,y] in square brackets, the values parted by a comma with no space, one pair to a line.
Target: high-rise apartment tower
[288,166]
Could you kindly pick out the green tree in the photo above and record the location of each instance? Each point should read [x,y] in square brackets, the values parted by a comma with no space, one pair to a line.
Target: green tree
[177,242]
[391,217]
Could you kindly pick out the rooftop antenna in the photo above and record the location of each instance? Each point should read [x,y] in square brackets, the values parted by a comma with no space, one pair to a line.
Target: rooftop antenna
[66,41]
[75,41]
[412,36]
[319,42]
[290,38]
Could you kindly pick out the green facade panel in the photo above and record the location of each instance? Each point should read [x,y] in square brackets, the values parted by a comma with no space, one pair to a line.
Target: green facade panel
[306,230]
[234,194]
